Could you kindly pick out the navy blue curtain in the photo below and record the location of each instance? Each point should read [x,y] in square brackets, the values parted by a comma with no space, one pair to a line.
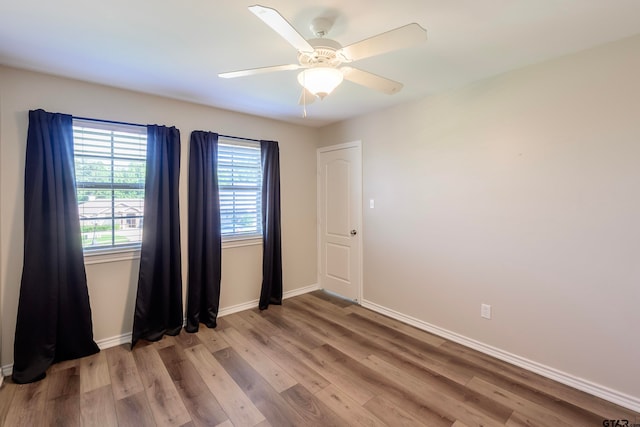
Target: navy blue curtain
[159,299]
[205,243]
[271,292]
[54,316]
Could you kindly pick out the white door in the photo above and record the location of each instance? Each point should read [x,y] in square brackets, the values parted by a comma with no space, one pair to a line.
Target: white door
[340,219]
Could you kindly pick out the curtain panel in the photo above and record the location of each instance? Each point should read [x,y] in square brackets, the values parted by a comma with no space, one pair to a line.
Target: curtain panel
[271,292]
[158,309]
[205,243]
[54,315]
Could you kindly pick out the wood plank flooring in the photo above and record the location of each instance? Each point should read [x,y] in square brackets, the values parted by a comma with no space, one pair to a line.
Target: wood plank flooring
[316,360]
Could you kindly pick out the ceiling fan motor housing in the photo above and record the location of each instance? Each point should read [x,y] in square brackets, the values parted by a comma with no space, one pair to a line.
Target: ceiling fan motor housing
[324,54]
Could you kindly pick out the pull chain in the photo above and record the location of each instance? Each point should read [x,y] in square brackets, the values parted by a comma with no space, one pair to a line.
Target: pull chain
[304,96]
[304,103]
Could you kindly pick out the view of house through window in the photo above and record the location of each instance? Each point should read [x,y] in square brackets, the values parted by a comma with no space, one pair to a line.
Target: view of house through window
[110,162]
[240,185]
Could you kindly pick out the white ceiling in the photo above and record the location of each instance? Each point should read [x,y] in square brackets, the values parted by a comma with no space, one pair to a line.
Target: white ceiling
[176,48]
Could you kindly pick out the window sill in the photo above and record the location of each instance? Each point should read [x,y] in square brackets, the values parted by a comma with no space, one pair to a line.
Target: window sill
[111,255]
[128,254]
[239,242]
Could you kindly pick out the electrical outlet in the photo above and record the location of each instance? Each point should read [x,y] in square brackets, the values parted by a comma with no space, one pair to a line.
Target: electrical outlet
[372,203]
[485,311]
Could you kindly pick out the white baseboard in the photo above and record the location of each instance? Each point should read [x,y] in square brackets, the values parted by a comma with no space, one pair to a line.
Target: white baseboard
[238,307]
[7,370]
[581,384]
[105,343]
[254,303]
[300,291]
[114,341]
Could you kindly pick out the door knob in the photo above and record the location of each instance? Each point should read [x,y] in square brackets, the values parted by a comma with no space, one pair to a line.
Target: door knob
[354,232]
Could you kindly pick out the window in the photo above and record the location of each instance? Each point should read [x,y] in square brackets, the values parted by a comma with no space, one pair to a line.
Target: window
[240,185]
[110,162]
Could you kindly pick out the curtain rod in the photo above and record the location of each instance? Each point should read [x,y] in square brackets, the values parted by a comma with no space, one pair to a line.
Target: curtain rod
[238,137]
[136,124]
[114,122]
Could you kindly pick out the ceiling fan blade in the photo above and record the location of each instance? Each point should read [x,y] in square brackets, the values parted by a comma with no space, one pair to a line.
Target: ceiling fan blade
[253,71]
[371,80]
[306,97]
[400,38]
[273,19]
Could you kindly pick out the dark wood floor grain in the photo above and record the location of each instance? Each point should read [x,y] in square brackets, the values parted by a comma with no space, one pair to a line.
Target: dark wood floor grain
[316,360]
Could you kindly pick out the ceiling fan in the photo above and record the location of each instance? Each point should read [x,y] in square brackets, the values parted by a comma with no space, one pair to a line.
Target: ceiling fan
[322,59]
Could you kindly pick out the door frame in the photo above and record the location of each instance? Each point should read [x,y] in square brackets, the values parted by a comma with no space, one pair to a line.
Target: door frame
[353,144]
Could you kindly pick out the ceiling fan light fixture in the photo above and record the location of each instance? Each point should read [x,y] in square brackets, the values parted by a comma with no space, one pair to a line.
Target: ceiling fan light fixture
[320,81]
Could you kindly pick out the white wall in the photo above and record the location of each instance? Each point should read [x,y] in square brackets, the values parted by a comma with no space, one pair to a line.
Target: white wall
[112,286]
[523,192]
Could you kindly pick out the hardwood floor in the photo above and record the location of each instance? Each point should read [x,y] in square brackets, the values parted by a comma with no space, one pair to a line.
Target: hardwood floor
[316,360]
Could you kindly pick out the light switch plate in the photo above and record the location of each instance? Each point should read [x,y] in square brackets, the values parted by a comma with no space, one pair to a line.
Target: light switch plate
[485,311]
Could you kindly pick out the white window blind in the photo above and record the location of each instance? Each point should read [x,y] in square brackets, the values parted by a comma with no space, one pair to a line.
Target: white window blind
[110,163]
[240,185]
